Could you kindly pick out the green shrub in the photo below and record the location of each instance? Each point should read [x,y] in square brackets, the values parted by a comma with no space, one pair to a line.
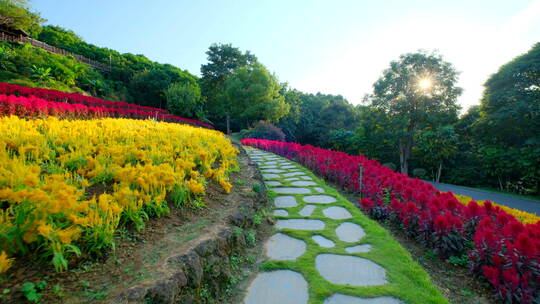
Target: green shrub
[419,172]
[390,165]
[263,130]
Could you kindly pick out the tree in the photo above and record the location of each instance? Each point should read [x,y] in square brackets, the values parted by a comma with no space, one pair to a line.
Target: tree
[148,86]
[436,146]
[418,90]
[376,135]
[509,124]
[251,94]
[305,122]
[223,60]
[15,14]
[510,106]
[184,99]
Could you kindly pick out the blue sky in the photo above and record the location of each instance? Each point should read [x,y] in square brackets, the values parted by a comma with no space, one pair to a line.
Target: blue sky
[337,47]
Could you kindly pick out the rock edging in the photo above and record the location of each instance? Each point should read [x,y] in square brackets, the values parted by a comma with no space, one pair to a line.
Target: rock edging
[206,270]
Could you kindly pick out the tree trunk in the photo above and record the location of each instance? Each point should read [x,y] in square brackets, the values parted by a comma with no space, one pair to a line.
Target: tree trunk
[228,124]
[439,172]
[404,154]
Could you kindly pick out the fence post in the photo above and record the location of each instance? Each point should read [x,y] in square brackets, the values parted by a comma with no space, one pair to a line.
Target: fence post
[360,179]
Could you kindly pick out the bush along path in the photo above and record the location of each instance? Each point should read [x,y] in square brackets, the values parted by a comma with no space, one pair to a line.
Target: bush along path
[326,251]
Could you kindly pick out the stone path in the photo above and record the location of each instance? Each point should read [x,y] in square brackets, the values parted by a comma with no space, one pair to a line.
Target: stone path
[307,219]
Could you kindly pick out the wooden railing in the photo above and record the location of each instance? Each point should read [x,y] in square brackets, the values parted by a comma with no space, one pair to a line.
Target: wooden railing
[52,49]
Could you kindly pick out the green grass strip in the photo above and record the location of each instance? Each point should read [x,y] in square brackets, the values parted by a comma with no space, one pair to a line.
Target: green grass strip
[407,281]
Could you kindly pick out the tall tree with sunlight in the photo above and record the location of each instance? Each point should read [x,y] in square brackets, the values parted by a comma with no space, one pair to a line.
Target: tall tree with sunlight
[416,91]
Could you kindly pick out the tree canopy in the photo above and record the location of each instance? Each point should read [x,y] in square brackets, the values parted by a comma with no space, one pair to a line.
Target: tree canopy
[417,90]
[223,60]
[251,94]
[16,14]
[510,106]
[184,99]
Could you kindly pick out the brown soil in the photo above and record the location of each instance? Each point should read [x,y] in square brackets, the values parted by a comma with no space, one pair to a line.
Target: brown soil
[139,256]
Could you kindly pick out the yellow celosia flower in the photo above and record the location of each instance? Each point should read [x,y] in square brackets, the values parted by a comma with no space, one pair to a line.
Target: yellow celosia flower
[69,234]
[45,230]
[47,165]
[5,262]
[522,216]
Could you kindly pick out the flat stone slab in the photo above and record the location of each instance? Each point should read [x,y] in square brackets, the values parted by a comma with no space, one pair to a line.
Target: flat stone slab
[303,183]
[307,210]
[270,163]
[273,171]
[337,213]
[292,179]
[300,224]
[288,167]
[285,202]
[268,167]
[282,247]
[281,286]
[344,299]
[280,212]
[270,175]
[291,190]
[273,183]
[305,177]
[319,189]
[349,270]
[293,173]
[350,232]
[319,199]
[359,248]
[322,241]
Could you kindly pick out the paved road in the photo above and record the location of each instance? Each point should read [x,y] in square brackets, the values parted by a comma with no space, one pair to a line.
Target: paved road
[522,204]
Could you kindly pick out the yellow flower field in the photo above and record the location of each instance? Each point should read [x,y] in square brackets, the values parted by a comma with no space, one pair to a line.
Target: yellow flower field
[522,216]
[65,186]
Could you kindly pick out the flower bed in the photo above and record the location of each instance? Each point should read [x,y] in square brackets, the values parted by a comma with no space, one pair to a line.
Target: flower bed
[34,100]
[65,186]
[500,248]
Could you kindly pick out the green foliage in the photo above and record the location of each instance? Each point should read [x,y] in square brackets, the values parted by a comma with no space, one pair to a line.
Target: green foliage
[147,87]
[436,146]
[508,129]
[180,196]
[419,172]
[313,116]
[340,140]
[32,291]
[16,15]
[263,130]
[184,99]
[510,108]
[251,94]
[411,106]
[34,67]
[251,238]
[223,60]
[257,188]
[41,73]
[390,165]
[462,260]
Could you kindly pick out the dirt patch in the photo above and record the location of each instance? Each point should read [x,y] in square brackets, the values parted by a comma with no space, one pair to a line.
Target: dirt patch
[227,225]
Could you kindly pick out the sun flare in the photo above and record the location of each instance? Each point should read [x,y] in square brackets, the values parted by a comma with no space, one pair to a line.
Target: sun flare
[425,83]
